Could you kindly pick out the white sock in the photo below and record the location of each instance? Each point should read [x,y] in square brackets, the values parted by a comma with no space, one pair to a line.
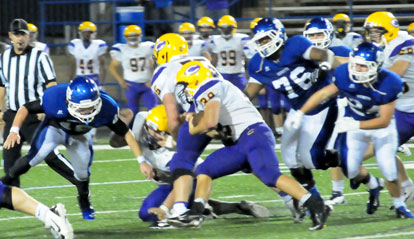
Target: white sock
[179,208]
[407,183]
[200,200]
[373,183]
[338,186]
[304,199]
[41,212]
[287,198]
[398,202]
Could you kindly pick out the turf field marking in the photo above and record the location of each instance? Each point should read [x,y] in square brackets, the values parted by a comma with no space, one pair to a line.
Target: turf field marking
[381,236]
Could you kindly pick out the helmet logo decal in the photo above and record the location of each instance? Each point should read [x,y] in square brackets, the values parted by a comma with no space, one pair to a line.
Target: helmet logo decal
[160,45]
[192,70]
[394,23]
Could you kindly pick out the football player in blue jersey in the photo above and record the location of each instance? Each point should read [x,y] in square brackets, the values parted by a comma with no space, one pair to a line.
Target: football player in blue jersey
[297,69]
[13,198]
[250,145]
[72,110]
[321,33]
[371,92]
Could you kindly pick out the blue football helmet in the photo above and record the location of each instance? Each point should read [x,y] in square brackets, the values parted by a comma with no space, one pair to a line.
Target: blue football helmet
[83,99]
[270,28]
[367,55]
[320,25]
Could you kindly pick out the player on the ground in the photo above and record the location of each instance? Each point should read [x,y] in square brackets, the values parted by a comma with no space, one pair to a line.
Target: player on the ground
[343,35]
[382,28]
[229,52]
[196,47]
[33,38]
[249,146]
[158,147]
[87,54]
[135,59]
[13,198]
[295,68]
[371,92]
[72,110]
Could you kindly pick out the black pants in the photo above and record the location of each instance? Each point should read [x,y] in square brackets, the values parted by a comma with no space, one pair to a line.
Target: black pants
[28,129]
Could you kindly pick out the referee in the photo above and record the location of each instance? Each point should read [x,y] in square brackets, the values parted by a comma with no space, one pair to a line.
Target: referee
[25,73]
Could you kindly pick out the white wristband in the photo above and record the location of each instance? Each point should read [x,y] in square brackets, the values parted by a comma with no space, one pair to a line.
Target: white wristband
[14,129]
[141,159]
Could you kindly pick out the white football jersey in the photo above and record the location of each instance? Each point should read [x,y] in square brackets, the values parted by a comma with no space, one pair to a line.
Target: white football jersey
[42,46]
[402,48]
[236,111]
[198,48]
[350,40]
[87,62]
[158,158]
[136,62]
[230,53]
[164,78]
[250,49]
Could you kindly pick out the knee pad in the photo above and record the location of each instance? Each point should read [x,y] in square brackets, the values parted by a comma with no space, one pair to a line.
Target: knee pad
[304,176]
[181,172]
[6,200]
[330,160]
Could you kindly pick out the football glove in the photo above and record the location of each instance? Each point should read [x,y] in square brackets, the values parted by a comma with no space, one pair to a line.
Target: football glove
[294,120]
[346,124]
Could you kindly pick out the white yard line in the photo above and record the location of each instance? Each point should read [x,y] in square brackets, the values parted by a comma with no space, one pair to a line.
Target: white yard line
[380,235]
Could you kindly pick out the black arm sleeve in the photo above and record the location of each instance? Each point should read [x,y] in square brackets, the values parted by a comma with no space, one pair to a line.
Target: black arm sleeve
[34,107]
[119,127]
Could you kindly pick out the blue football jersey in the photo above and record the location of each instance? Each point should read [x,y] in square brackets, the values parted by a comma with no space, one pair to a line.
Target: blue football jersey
[364,102]
[56,110]
[341,51]
[293,76]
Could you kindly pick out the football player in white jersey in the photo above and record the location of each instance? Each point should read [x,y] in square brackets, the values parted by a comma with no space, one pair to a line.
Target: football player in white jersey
[135,58]
[196,47]
[87,54]
[343,34]
[157,146]
[33,39]
[171,52]
[250,144]
[205,28]
[410,29]
[229,51]
[382,28]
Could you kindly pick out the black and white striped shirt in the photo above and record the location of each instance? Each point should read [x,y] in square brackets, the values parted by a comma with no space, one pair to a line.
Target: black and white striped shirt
[25,76]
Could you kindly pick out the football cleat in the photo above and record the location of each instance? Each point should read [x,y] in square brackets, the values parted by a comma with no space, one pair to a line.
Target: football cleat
[162,224]
[319,218]
[405,150]
[409,194]
[336,198]
[298,214]
[186,220]
[374,194]
[88,213]
[58,223]
[403,212]
[208,212]
[253,209]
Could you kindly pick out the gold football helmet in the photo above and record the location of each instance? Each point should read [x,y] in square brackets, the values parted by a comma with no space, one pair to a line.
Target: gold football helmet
[192,74]
[385,22]
[169,46]
[227,25]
